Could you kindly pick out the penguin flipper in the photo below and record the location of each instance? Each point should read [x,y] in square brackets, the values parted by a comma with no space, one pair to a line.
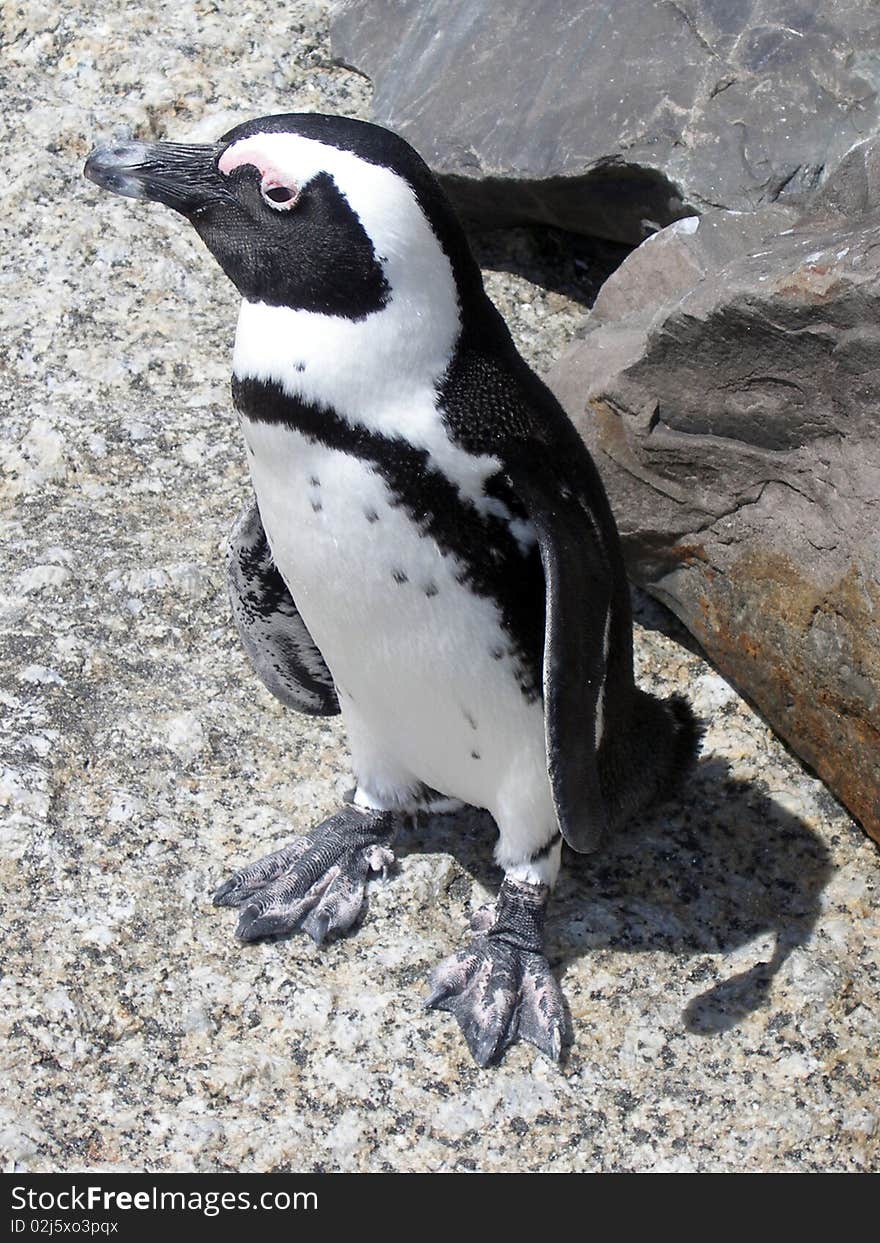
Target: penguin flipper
[578,583]
[275,637]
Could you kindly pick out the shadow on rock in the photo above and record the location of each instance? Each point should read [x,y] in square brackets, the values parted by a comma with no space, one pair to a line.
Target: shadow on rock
[649,613]
[703,875]
[565,263]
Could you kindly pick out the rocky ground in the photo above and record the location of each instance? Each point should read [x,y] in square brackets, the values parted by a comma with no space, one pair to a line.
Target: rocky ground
[721,962]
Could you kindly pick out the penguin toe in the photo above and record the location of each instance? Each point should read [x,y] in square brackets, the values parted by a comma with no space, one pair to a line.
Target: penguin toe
[340,904]
[255,923]
[254,878]
[543,1014]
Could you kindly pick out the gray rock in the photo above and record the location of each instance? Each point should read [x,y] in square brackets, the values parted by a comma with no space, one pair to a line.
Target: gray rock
[853,188]
[729,386]
[609,119]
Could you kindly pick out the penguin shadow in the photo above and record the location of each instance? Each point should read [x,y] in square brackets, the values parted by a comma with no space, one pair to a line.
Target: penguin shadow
[568,263]
[706,873]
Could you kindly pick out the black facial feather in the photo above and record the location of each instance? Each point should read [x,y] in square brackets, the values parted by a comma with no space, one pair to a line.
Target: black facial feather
[333,269]
[379,146]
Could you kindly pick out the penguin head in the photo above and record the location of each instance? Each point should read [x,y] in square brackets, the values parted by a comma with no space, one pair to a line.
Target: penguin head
[307,211]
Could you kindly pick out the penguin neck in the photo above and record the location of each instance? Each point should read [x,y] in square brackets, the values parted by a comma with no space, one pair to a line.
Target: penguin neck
[382,374]
[358,366]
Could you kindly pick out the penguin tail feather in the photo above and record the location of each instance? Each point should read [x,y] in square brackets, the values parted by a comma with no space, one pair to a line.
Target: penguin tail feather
[646,761]
[687,741]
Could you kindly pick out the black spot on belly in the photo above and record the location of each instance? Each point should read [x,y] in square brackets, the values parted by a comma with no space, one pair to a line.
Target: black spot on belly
[299,366]
[317,506]
[475,755]
[371,515]
[399,576]
[470,720]
[315,481]
[497,653]
[431,589]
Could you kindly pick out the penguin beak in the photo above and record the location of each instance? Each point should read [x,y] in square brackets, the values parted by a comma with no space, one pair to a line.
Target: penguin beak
[180,175]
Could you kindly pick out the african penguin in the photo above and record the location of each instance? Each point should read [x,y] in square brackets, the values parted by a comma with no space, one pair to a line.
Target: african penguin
[430,551]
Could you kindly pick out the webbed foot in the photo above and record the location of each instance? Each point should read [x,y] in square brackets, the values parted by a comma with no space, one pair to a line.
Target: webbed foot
[316,883]
[500,987]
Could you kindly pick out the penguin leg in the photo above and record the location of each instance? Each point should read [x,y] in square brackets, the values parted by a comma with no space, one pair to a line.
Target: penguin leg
[316,883]
[500,987]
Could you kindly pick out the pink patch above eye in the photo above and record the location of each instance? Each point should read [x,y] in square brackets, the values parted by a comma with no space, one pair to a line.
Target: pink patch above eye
[250,152]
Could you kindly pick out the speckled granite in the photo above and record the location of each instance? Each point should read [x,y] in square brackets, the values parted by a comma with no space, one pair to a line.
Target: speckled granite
[721,962]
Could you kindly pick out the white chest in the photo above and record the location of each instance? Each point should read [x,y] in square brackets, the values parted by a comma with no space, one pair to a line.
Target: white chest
[425,661]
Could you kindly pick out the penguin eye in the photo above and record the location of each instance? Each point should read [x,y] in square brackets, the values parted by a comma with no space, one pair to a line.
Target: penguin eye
[279,197]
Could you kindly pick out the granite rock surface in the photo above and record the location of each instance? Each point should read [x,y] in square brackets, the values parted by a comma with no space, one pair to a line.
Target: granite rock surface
[611,118]
[721,959]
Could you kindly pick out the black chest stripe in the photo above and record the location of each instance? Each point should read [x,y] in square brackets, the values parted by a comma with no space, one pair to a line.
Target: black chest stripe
[494,564]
